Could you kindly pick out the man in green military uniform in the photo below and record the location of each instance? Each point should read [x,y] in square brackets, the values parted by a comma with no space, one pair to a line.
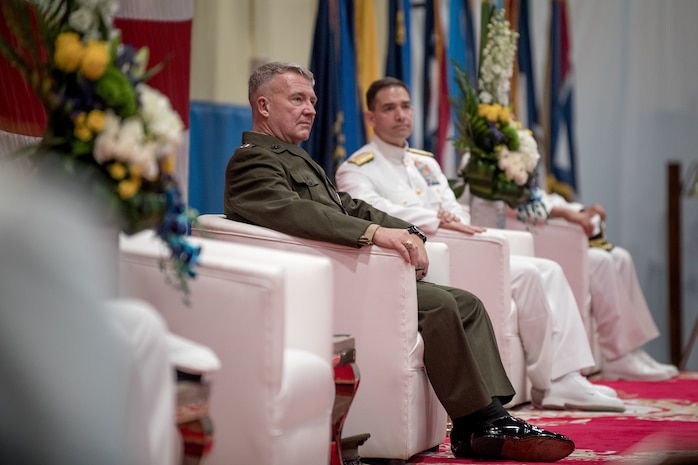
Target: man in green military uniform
[272,182]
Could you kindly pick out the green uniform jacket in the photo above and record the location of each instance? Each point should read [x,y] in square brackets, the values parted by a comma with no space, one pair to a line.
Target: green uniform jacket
[275,184]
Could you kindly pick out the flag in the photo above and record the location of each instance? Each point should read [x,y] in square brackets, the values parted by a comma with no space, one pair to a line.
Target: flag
[366,52]
[435,87]
[352,130]
[324,64]
[165,27]
[526,69]
[511,11]
[398,63]
[460,50]
[338,122]
[461,41]
[560,157]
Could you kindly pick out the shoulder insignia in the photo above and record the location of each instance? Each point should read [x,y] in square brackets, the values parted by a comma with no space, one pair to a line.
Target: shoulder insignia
[244,146]
[420,152]
[361,158]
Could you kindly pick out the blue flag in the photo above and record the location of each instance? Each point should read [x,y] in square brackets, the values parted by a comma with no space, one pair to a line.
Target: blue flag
[561,163]
[324,64]
[398,63]
[338,128]
[461,42]
[526,66]
[353,126]
[430,81]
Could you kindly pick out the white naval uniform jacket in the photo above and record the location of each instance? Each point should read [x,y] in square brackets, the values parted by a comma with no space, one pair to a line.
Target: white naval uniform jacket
[403,182]
[410,184]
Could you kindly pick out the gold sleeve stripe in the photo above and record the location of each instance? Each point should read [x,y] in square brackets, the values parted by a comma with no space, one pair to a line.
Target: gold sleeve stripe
[420,152]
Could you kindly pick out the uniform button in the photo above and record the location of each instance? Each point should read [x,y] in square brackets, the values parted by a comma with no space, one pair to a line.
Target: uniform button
[275,147]
[418,191]
[404,202]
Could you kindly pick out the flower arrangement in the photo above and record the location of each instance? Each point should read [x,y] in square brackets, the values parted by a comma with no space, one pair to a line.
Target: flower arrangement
[108,128]
[502,156]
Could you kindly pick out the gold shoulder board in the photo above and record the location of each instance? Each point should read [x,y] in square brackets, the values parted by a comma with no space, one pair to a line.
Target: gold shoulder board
[420,152]
[361,158]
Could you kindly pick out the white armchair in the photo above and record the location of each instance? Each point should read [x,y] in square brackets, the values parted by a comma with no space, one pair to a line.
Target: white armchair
[480,264]
[375,301]
[566,243]
[271,402]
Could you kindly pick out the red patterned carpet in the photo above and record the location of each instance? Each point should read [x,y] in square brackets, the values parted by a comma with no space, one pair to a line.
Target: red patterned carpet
[660,425]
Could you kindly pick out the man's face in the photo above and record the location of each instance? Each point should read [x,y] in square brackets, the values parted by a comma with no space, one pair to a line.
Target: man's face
[391,116]
[289,106]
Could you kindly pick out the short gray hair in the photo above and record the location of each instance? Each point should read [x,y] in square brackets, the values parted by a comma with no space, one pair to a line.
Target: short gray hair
[266,73]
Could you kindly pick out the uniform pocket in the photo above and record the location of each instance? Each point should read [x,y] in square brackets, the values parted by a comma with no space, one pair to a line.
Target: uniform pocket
[305,184]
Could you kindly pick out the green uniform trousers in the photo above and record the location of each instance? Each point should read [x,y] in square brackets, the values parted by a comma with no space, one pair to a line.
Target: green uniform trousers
[460,350]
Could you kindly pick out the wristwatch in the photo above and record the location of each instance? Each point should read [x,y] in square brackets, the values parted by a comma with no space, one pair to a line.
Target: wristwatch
[418,232]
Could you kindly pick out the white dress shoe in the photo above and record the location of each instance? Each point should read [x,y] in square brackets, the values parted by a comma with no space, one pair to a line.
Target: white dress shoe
[671,370]
[631,367]
[605,390]
[573,391]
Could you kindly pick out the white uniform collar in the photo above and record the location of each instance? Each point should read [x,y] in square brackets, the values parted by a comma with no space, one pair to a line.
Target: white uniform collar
[390,151]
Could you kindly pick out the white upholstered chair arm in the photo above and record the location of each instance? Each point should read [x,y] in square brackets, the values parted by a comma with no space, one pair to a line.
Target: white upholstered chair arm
[272,399]
[480,264]
[565,243]
[439,263]
[520,242]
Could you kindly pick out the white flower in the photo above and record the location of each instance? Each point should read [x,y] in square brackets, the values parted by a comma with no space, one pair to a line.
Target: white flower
[82,20]
[145,159]
[125,141]
[529,148]
[105,142]
[496,68]
[160,119]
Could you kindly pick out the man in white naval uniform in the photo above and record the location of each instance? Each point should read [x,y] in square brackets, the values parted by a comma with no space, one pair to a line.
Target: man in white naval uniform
[624,321]
[409,184]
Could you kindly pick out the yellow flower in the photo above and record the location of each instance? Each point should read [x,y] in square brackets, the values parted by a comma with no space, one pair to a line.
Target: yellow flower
[168,164]
[117,170]
[489,112]
[82,132]
[95,60]
[69,52]
[80,119]
[129,187]
[95,120]
[505,115]
[135,171]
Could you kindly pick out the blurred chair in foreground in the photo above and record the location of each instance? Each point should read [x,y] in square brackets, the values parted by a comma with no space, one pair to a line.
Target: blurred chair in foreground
[79,373]
[271,401]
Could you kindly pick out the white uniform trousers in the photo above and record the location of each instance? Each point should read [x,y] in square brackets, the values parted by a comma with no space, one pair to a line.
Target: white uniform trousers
[550,325]
[624,321]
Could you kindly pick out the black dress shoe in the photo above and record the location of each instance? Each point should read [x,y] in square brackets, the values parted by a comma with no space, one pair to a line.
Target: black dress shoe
[460,444]
[514,439]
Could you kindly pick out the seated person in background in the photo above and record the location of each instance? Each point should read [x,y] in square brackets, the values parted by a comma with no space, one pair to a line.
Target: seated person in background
[409,184]
[272,182]
[624,322]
